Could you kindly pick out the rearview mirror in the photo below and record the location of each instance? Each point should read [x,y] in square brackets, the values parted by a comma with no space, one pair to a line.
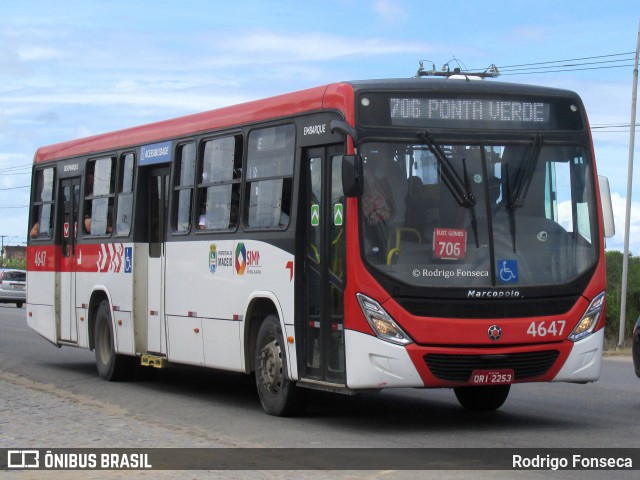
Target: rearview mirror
[352,180]
[607,207]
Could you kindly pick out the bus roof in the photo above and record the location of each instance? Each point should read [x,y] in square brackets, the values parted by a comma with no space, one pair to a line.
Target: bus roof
[327,96]
[337,96]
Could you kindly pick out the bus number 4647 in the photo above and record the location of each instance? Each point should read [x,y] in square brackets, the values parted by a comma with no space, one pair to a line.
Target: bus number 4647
[40,258]
[542,329]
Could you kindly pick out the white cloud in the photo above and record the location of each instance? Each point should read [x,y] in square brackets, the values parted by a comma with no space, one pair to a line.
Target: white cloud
[390,10]
[268,46]
[35,53]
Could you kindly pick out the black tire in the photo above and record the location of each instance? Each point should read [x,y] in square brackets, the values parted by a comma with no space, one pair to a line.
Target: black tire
[482,399]
[279,396]
[111,366]
[19,304]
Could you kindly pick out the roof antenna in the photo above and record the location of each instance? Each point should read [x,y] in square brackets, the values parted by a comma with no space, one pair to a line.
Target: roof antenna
[490,72]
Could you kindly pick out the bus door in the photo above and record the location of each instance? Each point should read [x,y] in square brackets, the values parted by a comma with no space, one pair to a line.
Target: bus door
[158,203]
[324,272]
[70,200]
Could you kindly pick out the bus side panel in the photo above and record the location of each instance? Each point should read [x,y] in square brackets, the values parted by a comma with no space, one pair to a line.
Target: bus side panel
[124,333]
[41,291]
[104,268]
[209,285]
[41,318]
[227,356]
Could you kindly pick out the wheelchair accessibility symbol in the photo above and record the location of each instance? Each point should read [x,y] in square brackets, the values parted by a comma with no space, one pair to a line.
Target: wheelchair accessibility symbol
[507,271]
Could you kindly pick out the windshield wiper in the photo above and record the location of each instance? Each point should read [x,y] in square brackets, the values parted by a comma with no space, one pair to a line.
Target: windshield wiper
[459,188]
[522,186]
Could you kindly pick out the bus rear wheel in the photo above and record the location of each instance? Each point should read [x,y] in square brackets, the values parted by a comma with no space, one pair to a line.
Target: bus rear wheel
[111,366]
[279,396]
[482,399]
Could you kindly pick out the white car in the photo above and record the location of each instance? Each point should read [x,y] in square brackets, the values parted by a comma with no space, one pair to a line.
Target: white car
[13,286]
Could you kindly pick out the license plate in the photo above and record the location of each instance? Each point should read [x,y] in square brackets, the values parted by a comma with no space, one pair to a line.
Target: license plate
[491,377]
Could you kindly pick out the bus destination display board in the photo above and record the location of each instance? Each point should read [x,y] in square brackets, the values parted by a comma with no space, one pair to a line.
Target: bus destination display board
[470,112]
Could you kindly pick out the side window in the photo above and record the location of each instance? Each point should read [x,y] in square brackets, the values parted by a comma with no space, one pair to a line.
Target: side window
[42,205]
[125,195]
[183,189]
[270,158]
[99,196]
[218,193]
[566,194]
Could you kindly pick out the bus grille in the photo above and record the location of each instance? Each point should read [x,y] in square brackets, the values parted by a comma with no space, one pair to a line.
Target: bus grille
[450,308]
[458,368]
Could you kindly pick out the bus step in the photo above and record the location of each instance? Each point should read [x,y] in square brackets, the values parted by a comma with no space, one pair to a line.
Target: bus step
[324,386]
[148,360]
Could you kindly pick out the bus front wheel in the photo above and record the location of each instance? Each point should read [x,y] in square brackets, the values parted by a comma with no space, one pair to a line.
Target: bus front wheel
[111,366]
[279,396]
[482,399]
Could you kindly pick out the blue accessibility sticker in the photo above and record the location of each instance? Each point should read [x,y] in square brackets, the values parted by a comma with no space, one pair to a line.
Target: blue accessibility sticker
[128,259]
[507,271]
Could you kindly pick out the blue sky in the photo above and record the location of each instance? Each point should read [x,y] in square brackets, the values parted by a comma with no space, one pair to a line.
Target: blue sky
[70,69]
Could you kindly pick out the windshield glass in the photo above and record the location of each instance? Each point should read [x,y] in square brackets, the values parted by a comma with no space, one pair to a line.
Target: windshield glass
[480,215]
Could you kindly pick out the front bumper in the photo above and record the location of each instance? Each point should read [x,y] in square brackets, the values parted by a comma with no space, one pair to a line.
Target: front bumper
[373,363]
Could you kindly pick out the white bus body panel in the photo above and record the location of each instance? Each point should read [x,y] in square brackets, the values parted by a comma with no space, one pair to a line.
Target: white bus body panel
[201,293]
[111,277]
[41,290]
[42,319]
[585,360]
[124,333]
[209,286]
[373,363]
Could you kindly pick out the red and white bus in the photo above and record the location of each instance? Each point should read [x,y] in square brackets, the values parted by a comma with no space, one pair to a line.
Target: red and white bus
[360,235]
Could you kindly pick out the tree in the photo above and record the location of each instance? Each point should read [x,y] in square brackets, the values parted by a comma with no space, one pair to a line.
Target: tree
[614,288]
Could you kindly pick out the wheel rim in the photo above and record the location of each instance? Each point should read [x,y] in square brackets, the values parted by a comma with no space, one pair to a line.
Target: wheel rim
[104,343]
[271,366]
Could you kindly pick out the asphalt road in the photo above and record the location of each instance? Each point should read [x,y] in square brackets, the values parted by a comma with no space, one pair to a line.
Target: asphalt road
[223,408]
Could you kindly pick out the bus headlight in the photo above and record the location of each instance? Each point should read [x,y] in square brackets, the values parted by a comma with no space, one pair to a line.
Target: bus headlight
[382,324]
[589,320]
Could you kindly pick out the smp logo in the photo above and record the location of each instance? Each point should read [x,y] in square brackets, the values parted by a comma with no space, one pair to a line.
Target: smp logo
[248,261]
[23,459]
[241,258]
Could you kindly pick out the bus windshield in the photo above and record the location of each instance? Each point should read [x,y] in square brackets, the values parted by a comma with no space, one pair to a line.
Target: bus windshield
[474,214]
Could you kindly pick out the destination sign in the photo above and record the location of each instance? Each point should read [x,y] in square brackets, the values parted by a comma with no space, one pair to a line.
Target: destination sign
[470,112]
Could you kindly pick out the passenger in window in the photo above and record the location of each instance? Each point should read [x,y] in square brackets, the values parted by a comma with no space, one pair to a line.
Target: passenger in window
[87,218]
[284,219]
[202,219]
[89,191]
[35,230]
[109,222]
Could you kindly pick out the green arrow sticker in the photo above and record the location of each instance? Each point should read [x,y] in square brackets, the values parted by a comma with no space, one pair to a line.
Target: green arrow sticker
[338,214]
[315,215]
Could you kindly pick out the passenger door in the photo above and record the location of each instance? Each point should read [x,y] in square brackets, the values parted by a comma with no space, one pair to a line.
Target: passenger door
[324,273]
[70,200]
[157,217]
